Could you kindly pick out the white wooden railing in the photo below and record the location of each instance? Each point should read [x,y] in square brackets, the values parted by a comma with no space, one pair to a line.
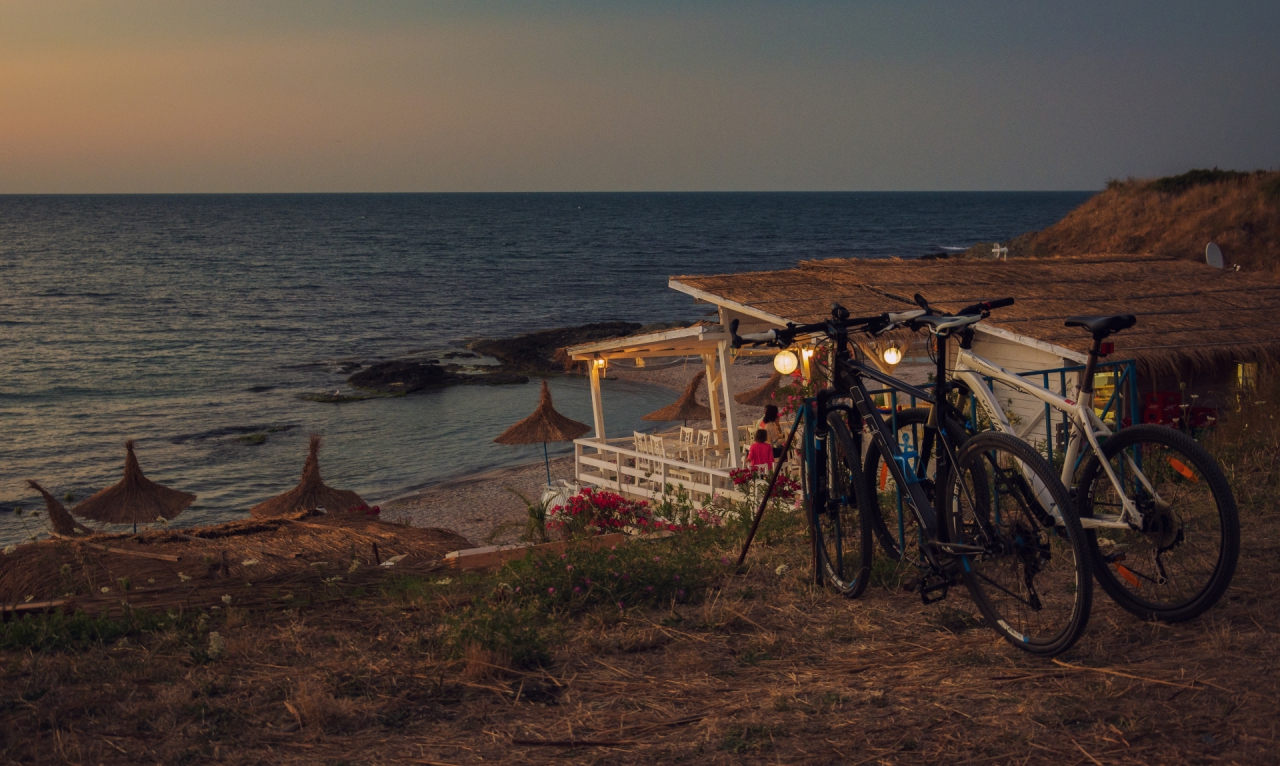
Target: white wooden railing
[614,466]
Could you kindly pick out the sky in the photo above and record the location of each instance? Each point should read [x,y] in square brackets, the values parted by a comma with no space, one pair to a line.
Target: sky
[176,96]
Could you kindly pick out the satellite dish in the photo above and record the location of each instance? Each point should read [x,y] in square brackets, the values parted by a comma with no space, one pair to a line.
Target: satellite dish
[1213,255]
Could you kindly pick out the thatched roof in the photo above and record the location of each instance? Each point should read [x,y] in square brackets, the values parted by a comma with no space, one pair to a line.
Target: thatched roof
[544,425]
[135,499]
[1188,313]
[687,406]
[61,520]
[759,397]
[310,493]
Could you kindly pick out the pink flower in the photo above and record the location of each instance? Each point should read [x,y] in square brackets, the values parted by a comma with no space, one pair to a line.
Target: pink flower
[551,591]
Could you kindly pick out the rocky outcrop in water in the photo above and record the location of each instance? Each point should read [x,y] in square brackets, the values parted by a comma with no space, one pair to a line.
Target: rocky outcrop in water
[538,352]
[404,376]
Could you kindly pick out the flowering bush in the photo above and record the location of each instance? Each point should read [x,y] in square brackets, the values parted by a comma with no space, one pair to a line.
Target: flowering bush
[365,509]
[753,483]
[597,512]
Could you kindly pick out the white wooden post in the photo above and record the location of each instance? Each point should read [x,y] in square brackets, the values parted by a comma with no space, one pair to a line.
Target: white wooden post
[731,427]
[597,405]
[713,398]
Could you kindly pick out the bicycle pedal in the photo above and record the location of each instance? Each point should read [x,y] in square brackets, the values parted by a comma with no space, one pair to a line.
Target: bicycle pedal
[933,588]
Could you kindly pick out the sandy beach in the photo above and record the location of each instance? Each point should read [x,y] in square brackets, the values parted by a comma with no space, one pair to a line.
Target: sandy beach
[484,506]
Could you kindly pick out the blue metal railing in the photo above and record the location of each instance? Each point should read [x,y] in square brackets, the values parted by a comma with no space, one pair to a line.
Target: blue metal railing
[1127,378]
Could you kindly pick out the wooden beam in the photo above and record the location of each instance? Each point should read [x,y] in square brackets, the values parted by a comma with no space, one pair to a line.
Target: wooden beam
[597,403]
[709,362]
[732,429]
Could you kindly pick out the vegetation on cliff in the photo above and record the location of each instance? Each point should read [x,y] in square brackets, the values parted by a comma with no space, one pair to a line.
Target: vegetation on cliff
[1176,215]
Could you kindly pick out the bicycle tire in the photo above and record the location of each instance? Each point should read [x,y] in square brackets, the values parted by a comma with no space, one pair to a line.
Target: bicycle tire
[842,533]
[1192,543]
[896,523]
[1034,584]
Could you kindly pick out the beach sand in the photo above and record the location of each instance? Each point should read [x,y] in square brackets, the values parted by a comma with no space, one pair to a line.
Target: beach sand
[478,505]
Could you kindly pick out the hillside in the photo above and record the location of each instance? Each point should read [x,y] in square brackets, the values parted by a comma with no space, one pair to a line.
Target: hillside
[1176,215]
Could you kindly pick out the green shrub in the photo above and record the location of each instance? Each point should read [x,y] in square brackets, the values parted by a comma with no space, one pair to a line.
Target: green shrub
[639,573]
[516,632]
[60,632]
[1193,178]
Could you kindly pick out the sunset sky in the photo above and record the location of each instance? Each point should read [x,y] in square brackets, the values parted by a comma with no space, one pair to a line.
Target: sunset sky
[400,95]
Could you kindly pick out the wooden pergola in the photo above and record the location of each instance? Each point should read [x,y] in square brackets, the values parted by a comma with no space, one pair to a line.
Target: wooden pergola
[610,463]
[708,341]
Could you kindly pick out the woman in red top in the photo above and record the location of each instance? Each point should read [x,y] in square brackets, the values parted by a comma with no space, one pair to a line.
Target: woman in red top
[760,456]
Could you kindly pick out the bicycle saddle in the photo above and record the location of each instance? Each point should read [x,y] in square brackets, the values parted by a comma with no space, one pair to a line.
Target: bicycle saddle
[1101,327]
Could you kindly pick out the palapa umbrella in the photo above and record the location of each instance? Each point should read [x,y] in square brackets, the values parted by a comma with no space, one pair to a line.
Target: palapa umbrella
[544,425]
[685,408]
[310,493]
[134,499]
[762,396]
[61,520]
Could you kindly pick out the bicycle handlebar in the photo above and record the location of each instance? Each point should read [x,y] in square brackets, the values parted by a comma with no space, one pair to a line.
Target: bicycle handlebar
[874,324]
[784,337]
[979,308]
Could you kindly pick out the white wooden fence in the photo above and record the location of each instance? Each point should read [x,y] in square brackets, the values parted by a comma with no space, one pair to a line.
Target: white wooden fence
[615,465]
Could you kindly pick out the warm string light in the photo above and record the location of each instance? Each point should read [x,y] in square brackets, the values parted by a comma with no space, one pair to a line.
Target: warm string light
[892,354]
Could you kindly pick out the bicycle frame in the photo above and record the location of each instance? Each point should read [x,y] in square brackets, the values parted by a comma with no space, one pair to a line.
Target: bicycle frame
[847,381]
[1086,426]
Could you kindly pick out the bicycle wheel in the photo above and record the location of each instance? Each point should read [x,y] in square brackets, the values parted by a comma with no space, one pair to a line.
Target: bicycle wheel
[842,534]
[893,522]
[1032,581]
[1184,559]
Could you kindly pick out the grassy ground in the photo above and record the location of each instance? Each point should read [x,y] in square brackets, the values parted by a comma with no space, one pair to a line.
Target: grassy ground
[708,666]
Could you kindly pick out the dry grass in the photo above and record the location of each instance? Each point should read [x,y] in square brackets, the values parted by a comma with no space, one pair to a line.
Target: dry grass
[762,668]
[1241,214]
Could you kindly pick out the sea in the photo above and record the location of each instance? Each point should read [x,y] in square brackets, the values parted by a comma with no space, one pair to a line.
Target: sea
[195,324]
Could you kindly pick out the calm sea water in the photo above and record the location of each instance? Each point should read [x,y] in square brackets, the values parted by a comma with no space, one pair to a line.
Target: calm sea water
[186,322]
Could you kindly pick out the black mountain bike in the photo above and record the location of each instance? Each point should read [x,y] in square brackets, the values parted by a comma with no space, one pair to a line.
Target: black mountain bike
[979,517]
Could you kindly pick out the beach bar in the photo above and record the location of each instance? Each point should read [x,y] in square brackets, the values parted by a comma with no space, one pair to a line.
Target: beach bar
[647,465]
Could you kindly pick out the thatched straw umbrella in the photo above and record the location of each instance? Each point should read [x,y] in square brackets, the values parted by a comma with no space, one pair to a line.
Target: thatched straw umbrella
[310,493]
[544,425]
[685,408]
[762,396]
[134,499]
[61,520]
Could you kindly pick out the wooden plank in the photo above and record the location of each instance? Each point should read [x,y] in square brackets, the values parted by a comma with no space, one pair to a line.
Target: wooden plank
[597,403]
[125,552]
[34,606]
[494,556]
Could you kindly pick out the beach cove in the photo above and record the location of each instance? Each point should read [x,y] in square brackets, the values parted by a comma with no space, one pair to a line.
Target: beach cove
[204,320]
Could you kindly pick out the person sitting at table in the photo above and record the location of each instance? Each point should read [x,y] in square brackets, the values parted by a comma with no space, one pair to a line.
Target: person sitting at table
[760,456]
[769,422]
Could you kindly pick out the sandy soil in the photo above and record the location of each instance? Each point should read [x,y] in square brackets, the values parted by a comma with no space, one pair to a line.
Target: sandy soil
[476,506]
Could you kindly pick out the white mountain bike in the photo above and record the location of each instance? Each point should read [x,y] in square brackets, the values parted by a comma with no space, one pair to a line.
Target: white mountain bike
[1158,513]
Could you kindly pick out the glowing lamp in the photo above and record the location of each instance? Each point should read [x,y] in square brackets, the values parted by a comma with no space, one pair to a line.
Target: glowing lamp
[892,354]
[785,362]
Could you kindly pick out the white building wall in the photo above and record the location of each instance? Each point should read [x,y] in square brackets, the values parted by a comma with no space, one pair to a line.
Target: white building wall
[1024,410]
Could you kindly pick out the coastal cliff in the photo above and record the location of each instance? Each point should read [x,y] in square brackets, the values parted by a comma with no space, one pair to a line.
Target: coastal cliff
[1176,215]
